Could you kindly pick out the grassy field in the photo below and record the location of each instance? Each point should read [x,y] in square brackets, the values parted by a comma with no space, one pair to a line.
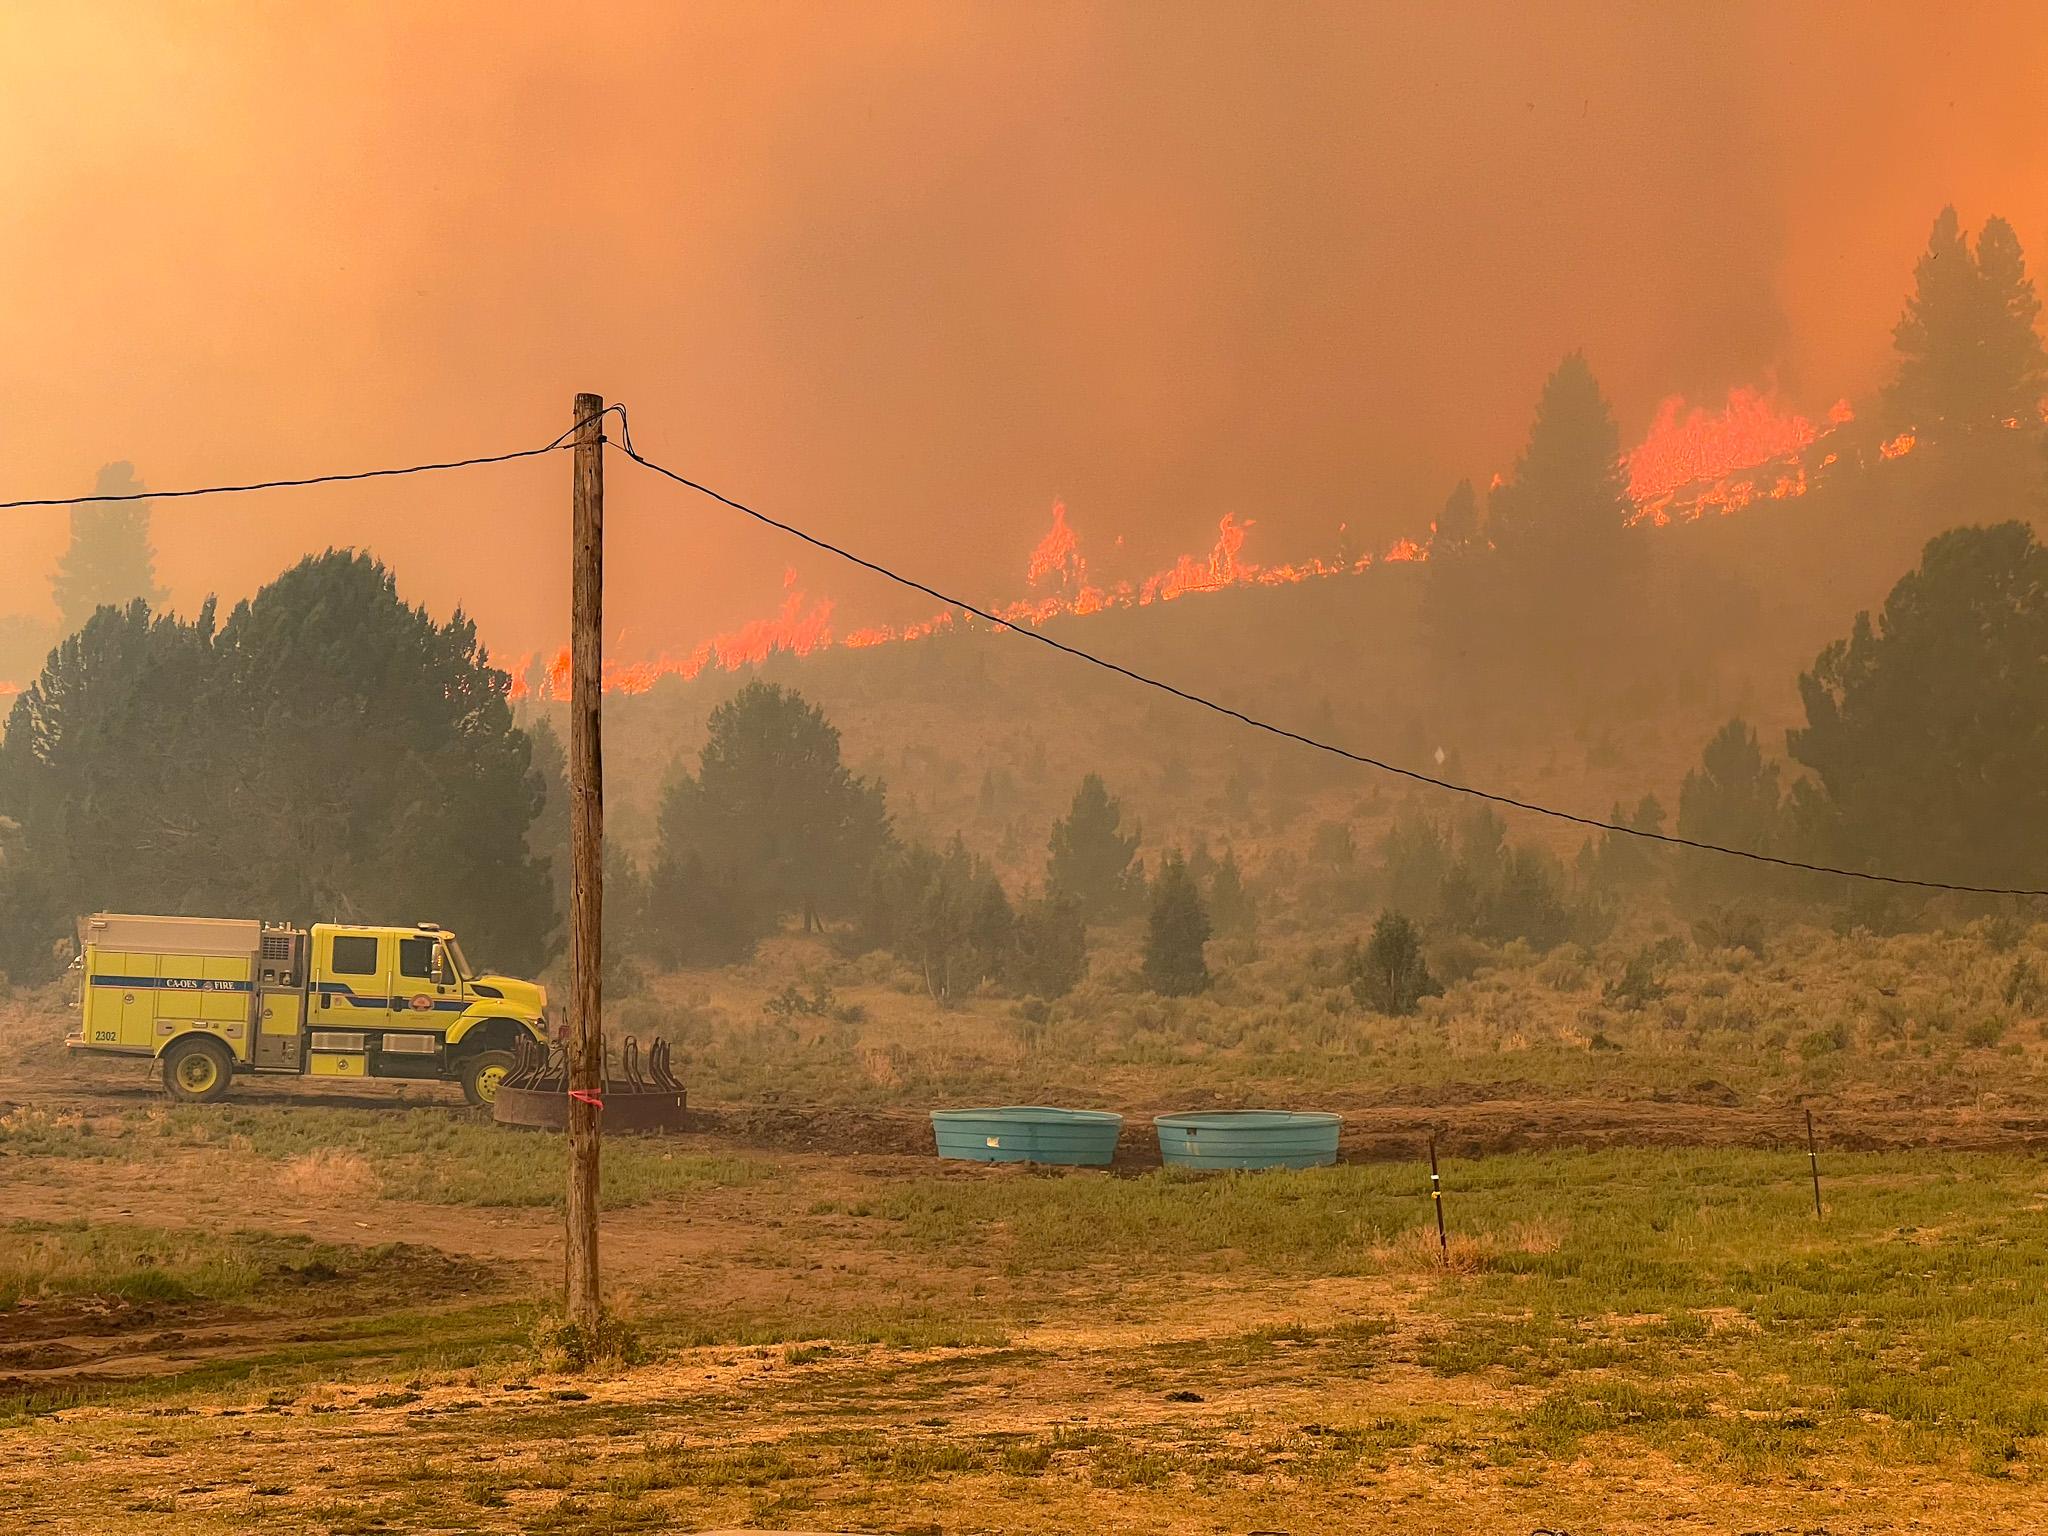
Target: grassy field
[321,1312]
[426,1155]
[887,1344]
[1940,1017]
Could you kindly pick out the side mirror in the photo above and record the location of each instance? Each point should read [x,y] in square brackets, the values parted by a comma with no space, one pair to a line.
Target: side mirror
[443,973]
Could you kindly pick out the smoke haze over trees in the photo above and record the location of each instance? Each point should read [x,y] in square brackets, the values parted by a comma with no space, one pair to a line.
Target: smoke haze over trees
[328,753]
[1926,727]
[109,562]
[1970,357]
[771,815]
[1325,272]
[1286,362]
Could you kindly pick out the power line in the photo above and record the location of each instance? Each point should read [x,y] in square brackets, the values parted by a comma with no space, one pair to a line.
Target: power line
[280,485]
[626,446]
[1593,822]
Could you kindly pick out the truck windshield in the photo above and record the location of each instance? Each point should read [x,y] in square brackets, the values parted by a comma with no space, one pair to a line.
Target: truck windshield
[458,959]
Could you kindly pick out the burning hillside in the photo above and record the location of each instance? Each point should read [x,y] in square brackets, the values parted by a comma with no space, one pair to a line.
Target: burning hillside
[1056,573]
[1695,461]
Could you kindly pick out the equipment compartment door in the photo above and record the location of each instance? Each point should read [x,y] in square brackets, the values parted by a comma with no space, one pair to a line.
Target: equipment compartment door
[279,1022]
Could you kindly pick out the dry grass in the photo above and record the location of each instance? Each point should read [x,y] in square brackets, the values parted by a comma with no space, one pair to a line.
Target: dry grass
[1951,1017]
[328,1173]
[1621,1338]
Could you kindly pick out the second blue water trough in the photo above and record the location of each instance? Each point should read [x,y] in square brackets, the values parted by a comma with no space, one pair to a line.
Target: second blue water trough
[1028,1133]
[1248,1138]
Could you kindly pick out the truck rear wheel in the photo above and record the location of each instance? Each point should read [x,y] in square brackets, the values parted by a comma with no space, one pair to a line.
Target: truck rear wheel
[198,1070]
[482,1072]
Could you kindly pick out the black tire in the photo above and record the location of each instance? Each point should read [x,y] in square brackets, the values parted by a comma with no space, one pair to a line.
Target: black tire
[482,1071]
[198,1070]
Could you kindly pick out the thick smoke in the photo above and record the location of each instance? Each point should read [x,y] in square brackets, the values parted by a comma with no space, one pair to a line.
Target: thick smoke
[911,272]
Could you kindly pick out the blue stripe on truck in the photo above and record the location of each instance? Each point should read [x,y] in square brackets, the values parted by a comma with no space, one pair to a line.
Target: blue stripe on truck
[347,994]
[326,988]
[169,984]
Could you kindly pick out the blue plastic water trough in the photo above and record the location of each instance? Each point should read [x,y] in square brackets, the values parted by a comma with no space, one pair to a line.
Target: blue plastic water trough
[1028,1133]
[1248,1138]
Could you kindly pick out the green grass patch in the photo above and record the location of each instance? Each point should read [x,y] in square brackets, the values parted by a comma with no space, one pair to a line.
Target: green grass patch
[40,1260]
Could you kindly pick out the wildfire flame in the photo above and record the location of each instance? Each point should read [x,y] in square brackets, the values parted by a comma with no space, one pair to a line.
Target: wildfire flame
[803,626]
[799,627]
[1695,448]
[1694,461]
[1058,554]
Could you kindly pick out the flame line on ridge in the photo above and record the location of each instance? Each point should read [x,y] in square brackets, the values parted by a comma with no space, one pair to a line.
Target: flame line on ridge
[1668,838]
[626,446]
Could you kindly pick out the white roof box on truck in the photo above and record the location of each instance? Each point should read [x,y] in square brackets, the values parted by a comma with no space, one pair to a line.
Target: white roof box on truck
[172,935]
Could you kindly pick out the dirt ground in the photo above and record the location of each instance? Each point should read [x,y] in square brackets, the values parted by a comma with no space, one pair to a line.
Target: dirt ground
[1197,1403]
[1472,1120]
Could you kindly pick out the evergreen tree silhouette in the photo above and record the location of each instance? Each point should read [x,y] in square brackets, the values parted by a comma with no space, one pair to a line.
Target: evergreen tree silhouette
[1089,858]
[109,562]
[1970,358]
[1568,498]
[1178,929]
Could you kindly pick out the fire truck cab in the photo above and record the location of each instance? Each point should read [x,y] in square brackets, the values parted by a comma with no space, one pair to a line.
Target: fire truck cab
[211,997]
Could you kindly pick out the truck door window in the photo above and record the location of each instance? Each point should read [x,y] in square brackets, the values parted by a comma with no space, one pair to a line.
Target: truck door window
[355,955]
[416,958]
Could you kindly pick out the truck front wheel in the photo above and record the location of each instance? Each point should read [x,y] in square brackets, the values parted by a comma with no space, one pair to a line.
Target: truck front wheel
[482,1072]
[198,1070]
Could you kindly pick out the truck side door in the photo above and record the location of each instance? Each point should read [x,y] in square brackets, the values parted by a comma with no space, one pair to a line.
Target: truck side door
[424,983]
[351,975]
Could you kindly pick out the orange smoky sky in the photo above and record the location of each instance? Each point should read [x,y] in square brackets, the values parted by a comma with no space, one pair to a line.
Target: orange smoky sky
[908,272]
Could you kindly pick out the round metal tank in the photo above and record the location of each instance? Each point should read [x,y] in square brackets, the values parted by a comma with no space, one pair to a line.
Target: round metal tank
[1248,1138]
[1028,1133]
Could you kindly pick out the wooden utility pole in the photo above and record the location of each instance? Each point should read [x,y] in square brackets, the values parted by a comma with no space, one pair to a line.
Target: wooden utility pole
[585,1302]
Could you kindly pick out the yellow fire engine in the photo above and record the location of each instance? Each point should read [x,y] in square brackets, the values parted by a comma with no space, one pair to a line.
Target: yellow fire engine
[213,996]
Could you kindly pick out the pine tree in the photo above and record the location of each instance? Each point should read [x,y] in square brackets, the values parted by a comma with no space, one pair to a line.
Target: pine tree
[772,808]
[991,926]
[1089,859]
[1731,799]
[1230,904]
[1568,499]
[390,767]
[1550,612]
[111,770]
[1179,927]
[701,916]
[328,753]
[1388,973]
[1926,728]
[626,895]
[2014,357]
[1457,526]
[109,562]
[1615,860]
[1970,358]
[1050,953]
